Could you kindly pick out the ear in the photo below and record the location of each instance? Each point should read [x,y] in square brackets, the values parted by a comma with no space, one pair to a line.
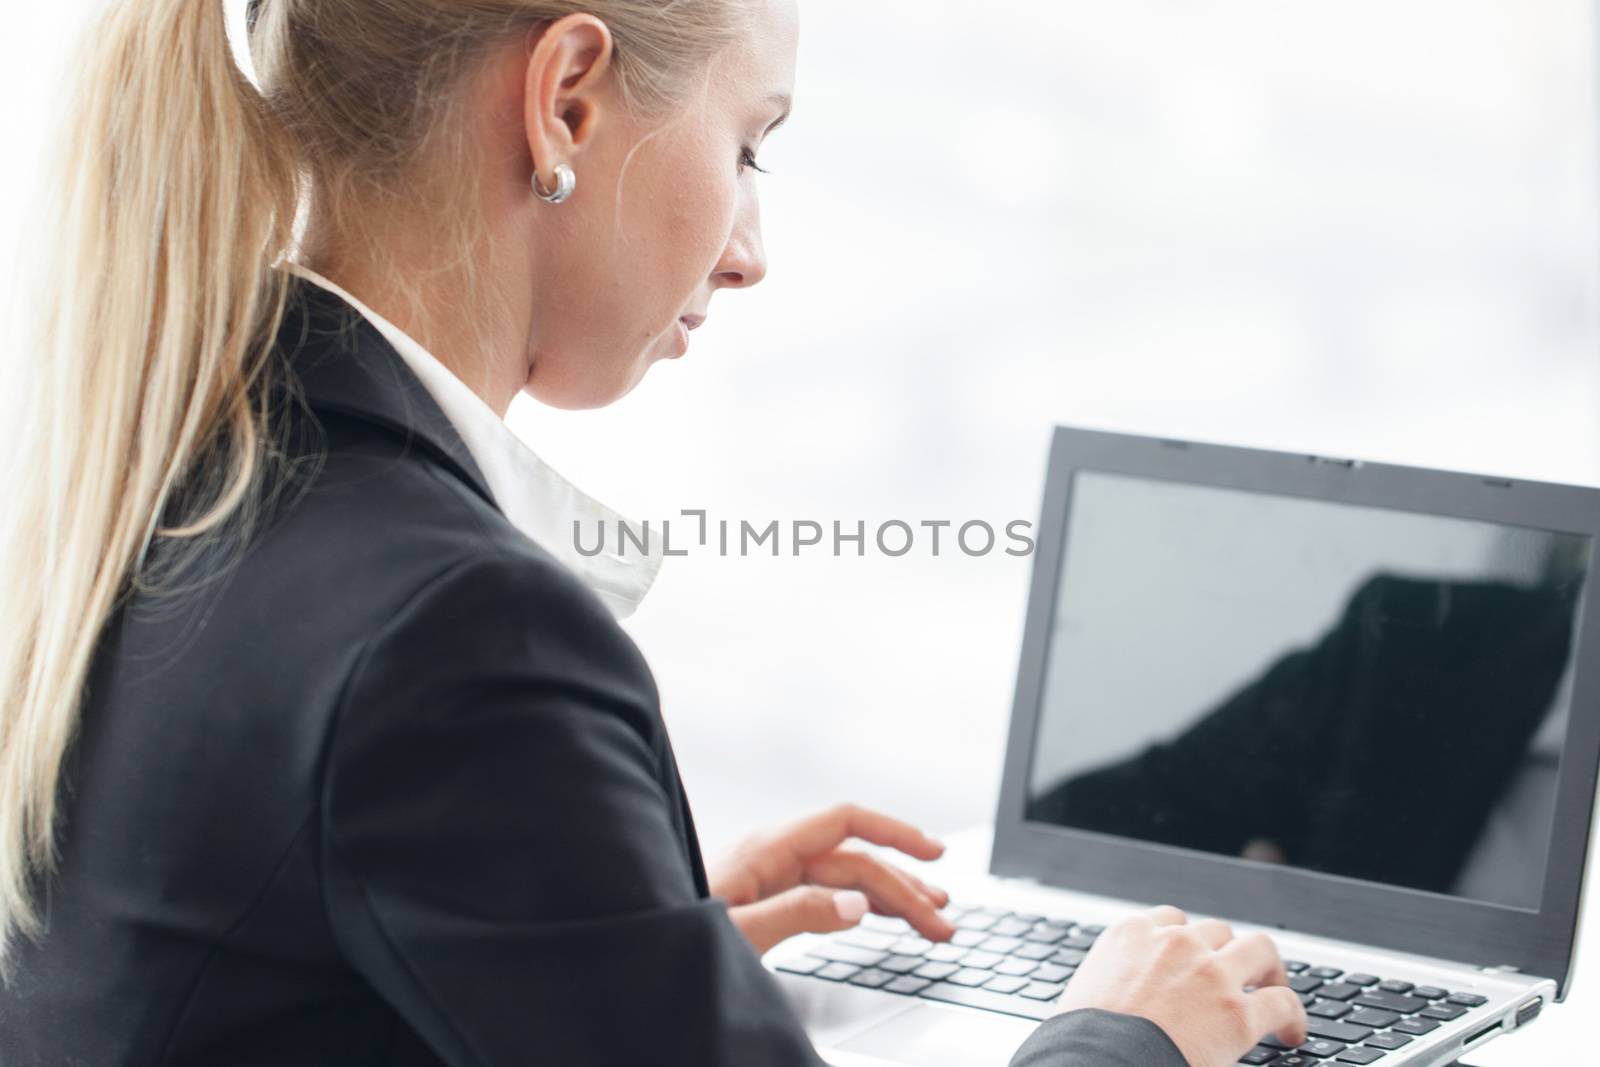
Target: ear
[564,91]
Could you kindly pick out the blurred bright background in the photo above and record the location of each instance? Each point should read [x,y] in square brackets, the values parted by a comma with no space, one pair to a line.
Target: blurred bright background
[1362,229]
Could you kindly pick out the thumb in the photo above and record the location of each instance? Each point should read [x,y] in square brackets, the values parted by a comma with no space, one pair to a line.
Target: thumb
[804,909]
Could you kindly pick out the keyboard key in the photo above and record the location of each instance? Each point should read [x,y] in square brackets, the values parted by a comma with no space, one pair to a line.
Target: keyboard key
[970,976]
[1325,973]
[1045,935]
[1295,966]
[1027,917]
[1362,980]
[1005,983]
[1259,1055]
[1395,985]
[1001,945]
[1091,930]
[946,953]
[1068,957]
[1328,1009]
[902,964]
[1338,990]
[873,939]
[1303,983]
[1034,951]
[861,957]
[802,965]
[1430,992]
[1322,1048]
[1051,972]
[1443,1011]
[836,972]
[988,1000]
[1391,1002]
[1388,1041]
[1294,1059]
[968,938]
[910,946]
[1468,1000]
[983,961]
[1041,990]
[872,978]
[1012,965]
[1415,1026]
[1334,1031]
[1271,1041]
[908,985]
[976,920]
[1078,941]
[1010,928]
[936,971]
[1359,1055]
[1376,1018]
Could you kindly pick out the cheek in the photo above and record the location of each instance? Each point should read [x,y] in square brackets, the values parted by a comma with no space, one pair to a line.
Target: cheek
[698,215]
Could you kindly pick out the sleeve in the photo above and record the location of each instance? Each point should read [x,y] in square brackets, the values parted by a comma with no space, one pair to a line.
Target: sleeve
[502,860]
[1090,1037]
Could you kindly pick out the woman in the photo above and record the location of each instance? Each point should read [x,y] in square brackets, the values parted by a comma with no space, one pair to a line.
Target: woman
[310,753]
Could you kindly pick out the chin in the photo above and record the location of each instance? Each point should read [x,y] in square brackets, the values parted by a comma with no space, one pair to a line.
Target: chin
[578,393]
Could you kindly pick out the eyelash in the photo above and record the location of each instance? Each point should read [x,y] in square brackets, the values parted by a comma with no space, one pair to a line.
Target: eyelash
[747,158]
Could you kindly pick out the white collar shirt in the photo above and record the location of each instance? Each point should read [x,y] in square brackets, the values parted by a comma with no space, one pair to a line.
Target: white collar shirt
[536,499]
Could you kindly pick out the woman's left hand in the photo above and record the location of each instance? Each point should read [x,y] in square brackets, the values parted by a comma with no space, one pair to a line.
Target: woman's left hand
[783,882]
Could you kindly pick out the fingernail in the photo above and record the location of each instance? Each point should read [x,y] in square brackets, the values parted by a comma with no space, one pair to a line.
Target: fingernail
[850,904]
[934,841]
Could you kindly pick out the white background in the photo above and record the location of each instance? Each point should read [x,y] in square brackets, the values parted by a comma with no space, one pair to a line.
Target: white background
[1361,228]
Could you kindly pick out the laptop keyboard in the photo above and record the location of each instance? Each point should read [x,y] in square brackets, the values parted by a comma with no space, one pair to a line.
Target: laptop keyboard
[1017,963]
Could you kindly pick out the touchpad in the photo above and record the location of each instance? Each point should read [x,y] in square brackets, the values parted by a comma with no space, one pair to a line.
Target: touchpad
[937,1037]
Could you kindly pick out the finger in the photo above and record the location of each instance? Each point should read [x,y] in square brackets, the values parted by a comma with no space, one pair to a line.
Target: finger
[823,832]
[1253,960]
[939,897]
[1277,1010]
[888,888]
[804,909]
[1213,933]
[1166,915]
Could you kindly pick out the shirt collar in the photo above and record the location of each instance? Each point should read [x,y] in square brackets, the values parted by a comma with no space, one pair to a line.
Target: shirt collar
[541,503]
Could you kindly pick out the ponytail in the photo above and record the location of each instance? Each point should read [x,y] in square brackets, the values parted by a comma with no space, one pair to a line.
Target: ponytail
[175,195]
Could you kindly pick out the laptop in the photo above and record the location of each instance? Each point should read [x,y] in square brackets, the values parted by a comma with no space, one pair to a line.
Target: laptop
[1352,704]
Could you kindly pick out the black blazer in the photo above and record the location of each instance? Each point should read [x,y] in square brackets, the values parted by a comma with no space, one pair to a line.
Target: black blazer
[391,787]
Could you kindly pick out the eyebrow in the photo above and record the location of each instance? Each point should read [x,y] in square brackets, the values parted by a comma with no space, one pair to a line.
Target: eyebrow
[787,102]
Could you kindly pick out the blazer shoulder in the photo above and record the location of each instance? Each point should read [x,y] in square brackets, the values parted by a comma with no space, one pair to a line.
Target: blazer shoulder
[517,604]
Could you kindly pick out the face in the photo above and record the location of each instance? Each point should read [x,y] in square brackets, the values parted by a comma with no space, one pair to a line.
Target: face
[664,214]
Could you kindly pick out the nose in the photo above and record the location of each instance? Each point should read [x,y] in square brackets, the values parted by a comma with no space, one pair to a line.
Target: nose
[744,258]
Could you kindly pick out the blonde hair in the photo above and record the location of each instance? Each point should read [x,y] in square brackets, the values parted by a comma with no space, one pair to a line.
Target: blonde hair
[178,193]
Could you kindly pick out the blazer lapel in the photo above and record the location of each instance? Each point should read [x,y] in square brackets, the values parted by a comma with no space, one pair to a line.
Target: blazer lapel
[343,364]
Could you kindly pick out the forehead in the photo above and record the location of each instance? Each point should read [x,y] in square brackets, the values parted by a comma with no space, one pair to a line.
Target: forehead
[763,60]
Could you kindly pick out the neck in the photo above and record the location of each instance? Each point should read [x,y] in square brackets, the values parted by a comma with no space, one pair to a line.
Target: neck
[472,334]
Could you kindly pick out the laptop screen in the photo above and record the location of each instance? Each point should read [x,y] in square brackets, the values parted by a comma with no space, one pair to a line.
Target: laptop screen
[1353,690]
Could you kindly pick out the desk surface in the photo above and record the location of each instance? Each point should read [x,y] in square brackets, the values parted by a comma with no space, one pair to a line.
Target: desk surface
[1563,1030]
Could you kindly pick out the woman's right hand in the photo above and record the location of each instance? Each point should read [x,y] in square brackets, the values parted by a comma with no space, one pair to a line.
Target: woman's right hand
[1190,979]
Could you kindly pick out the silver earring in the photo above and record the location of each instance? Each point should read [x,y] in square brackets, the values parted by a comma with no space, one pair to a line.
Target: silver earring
[565,181]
